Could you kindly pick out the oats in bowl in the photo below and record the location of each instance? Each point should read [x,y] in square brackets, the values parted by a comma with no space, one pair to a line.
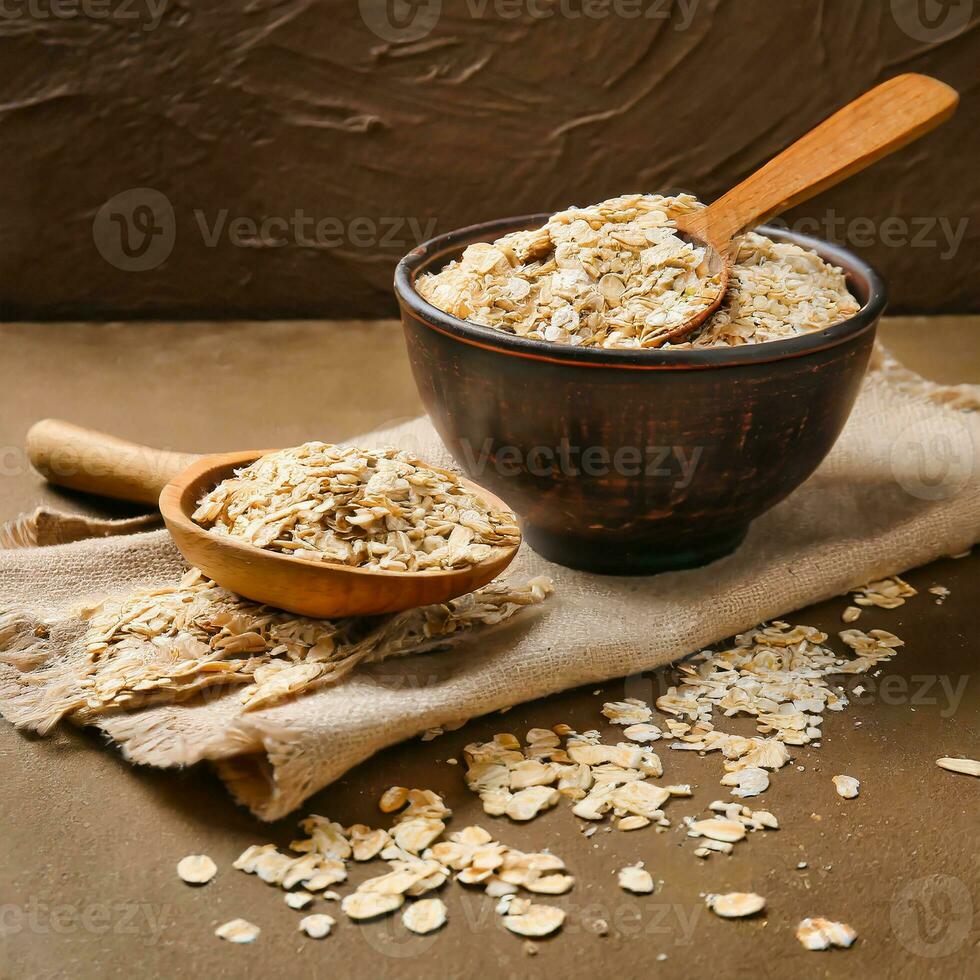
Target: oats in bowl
[616,275]
[382,510]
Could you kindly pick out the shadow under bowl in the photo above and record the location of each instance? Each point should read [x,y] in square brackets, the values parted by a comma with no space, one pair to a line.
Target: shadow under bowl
[627,461]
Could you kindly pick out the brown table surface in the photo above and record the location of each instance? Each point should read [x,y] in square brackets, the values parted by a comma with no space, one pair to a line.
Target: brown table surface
[87,881]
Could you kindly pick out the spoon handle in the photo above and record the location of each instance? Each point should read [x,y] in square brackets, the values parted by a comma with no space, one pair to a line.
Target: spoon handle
[83,459]
[878,123]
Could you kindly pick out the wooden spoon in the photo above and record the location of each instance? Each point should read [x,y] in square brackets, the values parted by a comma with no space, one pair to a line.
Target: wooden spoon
[94,462]
[878,123]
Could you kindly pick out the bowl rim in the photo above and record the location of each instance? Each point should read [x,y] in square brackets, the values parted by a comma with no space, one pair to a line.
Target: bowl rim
[862,279]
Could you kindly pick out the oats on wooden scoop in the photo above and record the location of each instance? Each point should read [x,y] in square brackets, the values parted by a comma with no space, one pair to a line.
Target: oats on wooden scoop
[615,274]
[384,510]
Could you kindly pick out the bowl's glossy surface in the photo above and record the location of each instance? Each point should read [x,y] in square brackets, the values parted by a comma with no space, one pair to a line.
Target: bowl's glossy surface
[627,461]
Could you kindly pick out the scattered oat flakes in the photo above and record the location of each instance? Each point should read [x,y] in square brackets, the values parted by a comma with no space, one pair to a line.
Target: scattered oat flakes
[718,829]
[298,900]
[536,920]
[847,786]
[632,823]
[736,905]
[393,798]
[316,926]
[750,781]
[196,869]
[888,593]
[642,733]
[636,879]
[169,643]
[631,711]
[425,916]
[819,933]
[367,905]
[416,834]
[367,843]
[969,767]
[238,931]
[527,803]
[851,614]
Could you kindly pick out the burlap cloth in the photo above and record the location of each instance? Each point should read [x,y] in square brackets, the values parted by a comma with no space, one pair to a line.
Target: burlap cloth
[900,488]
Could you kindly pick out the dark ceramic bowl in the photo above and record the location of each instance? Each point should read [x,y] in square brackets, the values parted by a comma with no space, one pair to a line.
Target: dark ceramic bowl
[634,462]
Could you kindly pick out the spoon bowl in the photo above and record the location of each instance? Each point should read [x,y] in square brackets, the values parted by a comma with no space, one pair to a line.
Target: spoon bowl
[178,481]
[719,263]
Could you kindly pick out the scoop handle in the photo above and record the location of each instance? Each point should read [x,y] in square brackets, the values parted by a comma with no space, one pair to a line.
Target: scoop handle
[95,462]
[881,121]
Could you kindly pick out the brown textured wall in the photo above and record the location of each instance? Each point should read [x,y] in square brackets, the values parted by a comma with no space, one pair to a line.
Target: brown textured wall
[258,109]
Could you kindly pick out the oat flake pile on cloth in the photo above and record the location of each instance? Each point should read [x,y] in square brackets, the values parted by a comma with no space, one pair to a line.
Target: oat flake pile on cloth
[900,488]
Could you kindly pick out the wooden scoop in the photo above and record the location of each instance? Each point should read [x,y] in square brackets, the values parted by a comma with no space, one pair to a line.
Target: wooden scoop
[94,462]
[878,123]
